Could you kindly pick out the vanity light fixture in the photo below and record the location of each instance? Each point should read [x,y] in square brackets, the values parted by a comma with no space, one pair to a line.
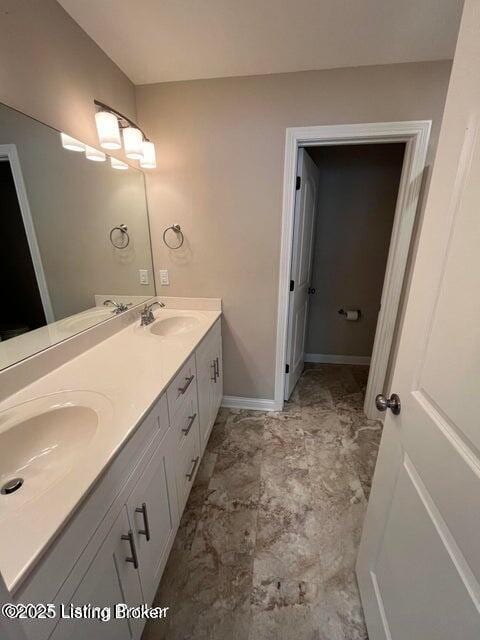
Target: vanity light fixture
[136,144]
[149,160]
[133,141]
[71,143]
[94,154]
[118,164]
[108,130]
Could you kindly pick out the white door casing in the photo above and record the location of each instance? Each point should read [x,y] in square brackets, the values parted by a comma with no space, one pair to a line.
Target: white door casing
[419,561]
[416,135]
[9,152]
[301,269]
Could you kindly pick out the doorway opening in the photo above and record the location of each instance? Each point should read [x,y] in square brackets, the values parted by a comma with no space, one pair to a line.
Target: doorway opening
[348,216]
[25,288]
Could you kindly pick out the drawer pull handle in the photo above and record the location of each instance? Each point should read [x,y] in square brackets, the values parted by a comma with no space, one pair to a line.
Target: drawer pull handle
[214,371]
[146,531]
[217,370]
[195,462]
[188,382]
[191,420]
[133,559]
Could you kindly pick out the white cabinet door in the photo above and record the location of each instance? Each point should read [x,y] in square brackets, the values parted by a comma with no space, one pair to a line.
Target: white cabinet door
[209,381]
[218,381]
[111,579]
[188,458]
[153,515]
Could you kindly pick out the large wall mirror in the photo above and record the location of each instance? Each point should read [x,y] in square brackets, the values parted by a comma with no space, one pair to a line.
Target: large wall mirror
[74,236]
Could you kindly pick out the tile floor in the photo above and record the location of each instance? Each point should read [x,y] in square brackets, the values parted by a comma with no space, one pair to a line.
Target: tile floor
[267,544]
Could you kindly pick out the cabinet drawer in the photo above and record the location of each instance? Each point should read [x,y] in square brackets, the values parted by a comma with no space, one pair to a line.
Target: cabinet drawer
[183,382]
[187,466]
[185,420]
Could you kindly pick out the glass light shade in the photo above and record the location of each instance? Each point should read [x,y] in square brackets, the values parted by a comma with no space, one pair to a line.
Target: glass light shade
[71,144]
[118,164]
[94,154]
[108,130]
[133,143]
[149,159]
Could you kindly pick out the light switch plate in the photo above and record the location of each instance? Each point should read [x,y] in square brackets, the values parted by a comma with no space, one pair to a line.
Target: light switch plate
[163,273]
[143,276]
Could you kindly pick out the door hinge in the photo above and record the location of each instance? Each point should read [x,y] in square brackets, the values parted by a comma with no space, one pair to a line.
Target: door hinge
[287,368]
[298,183]
[292,285]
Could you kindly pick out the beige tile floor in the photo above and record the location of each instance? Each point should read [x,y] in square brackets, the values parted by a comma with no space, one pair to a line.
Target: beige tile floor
[267,544]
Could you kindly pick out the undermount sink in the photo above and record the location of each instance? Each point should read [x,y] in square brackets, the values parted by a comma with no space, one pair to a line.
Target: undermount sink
[42,440]
[174,325]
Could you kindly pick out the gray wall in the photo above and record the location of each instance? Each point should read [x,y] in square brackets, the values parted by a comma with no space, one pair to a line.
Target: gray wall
[220,148]
[358,188]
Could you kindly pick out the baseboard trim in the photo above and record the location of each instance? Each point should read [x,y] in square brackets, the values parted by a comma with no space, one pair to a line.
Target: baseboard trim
[328,358]
[255,404]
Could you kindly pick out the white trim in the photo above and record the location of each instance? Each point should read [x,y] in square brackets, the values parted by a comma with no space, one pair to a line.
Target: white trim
[9,151]
[331,358]
[415,134]
[255,404]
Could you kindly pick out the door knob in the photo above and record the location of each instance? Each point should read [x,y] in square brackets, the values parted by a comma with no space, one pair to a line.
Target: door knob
[382,403]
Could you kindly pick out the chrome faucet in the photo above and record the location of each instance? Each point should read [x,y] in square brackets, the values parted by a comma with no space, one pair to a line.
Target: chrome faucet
[146,314]
[120,307]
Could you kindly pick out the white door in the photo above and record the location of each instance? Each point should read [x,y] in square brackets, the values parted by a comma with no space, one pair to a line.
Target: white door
[419,561]
[304,221]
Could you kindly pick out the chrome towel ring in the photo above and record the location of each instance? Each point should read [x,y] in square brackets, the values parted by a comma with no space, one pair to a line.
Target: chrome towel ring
[124,240]
[176,229]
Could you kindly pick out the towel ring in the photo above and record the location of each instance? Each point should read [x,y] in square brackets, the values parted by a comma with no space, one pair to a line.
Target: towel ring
[176,229]
[124,236]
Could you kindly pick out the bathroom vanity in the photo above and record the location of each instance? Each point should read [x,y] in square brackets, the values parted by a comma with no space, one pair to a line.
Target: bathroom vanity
[118,433]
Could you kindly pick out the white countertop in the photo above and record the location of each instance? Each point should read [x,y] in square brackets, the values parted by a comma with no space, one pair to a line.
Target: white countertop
[126,373]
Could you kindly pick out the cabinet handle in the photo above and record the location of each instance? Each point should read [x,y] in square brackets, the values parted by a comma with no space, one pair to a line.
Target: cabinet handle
[133,559]
[217,374]
[188,382]
[214,371]
[191,420]
[195,462]
[146,531]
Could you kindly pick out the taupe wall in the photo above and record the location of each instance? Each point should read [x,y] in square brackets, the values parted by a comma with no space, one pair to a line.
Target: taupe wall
[220,146]
[358,187]
[51,70]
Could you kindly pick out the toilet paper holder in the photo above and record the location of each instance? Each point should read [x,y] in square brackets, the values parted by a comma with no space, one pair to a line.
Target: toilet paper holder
[342,312]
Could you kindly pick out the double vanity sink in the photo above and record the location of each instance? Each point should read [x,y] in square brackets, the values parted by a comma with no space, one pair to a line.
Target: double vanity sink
[70,441]
[43,439]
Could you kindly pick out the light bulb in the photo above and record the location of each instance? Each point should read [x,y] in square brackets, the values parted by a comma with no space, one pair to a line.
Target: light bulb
[149,160]
[108,130]
[132,141]
[94,154]
[71,143]
[118,164]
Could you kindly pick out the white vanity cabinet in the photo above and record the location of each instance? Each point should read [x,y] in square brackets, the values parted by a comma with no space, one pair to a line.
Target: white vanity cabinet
[109,580]
[114,548]
[153,515]
[209,381]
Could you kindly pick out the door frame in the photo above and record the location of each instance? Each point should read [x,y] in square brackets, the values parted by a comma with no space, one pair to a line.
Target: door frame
[9,153]
[415,134]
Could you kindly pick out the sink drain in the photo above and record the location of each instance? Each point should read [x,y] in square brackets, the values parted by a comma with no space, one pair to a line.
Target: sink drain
[11,486]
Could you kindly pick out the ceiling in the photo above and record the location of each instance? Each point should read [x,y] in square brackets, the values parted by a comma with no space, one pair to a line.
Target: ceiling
[165,40]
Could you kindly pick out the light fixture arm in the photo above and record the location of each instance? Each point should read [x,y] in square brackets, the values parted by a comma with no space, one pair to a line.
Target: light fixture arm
[123,121]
